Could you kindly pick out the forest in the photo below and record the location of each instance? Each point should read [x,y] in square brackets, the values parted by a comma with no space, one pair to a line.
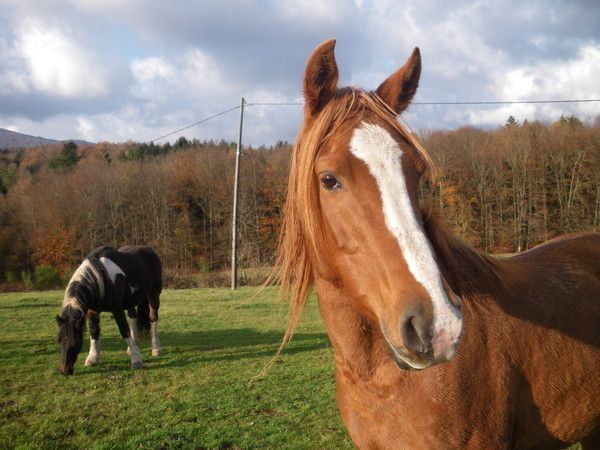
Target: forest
[503,191]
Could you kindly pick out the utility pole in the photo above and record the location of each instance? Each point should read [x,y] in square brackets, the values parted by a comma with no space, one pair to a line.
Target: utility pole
[235,200]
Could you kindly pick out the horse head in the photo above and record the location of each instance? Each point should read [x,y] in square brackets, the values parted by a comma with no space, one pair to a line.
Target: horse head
[71,325]
[354,188]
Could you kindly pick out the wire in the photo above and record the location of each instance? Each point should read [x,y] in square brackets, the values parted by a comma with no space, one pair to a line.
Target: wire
[507,102]
[275,104]
[206,119]
[491,102]
[499,102]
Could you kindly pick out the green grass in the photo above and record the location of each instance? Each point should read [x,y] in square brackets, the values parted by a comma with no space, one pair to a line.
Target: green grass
[195,395]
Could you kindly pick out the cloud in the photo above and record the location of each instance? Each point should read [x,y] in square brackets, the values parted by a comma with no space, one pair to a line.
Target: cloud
[573,78]
[576,78]
[150,75]
[56,64]
[120,69]
[328,11]
[86,129]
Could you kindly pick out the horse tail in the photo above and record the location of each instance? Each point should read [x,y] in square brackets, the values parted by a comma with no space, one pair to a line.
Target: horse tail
[156,266]
[144,307]
[143,317]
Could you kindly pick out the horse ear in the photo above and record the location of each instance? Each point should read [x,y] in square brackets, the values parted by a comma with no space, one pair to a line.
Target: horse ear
[59,320]
[320,77]
[399,89]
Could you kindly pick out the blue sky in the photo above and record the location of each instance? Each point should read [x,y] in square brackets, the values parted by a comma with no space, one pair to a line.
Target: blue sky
[121,70]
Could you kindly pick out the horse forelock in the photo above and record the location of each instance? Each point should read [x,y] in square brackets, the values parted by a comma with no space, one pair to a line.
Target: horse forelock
[302,222]
[67,333]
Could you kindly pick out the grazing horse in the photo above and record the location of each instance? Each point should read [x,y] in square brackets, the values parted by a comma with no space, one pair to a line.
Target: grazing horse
[437,346]
[111,280]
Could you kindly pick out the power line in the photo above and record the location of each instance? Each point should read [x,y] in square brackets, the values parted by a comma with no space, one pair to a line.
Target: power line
[492,102]
[206,119]
[275,104]
[508,102]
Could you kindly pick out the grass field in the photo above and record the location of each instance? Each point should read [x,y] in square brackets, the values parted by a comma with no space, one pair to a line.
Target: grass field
[195,395]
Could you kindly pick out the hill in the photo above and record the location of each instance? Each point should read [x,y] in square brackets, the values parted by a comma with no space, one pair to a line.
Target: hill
[12,139]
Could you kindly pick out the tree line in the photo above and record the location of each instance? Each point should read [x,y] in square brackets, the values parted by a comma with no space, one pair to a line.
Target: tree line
[503,191]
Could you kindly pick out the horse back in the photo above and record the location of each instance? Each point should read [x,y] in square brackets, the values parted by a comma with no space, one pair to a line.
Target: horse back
[140,264]
[147,262]
[563,270]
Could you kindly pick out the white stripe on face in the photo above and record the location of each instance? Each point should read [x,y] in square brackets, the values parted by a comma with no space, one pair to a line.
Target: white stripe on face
[381,153]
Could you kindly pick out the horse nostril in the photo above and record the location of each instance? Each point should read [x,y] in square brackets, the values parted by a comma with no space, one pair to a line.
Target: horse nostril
[414,331]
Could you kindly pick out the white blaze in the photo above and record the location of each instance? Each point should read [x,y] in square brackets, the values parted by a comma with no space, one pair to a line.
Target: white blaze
[382,155]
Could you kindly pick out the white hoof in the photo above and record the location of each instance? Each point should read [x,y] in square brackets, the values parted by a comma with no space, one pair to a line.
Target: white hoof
[137,364]
[128,351]
[89,362]
[156,352]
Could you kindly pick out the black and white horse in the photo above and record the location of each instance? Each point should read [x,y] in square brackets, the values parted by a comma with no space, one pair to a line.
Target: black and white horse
[111,280]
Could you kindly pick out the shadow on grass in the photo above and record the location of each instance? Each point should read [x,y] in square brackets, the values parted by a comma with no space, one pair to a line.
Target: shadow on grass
[182,349]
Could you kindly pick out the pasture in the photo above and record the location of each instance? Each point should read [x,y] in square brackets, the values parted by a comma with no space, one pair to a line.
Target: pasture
[196,395]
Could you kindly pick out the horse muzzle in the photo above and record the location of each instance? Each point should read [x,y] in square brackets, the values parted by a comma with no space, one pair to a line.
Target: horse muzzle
[421,342]
[66,370]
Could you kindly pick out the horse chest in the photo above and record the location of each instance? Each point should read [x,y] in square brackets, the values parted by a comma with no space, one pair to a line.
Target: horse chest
[417,410]
[417,424]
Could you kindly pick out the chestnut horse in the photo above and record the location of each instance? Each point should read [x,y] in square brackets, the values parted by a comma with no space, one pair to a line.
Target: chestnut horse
[437,346]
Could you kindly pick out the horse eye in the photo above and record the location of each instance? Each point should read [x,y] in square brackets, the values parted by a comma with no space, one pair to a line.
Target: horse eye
[330,182]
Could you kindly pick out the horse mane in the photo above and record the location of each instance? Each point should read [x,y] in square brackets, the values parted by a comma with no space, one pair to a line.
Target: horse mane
[302,219]
[468,271]
[89,274]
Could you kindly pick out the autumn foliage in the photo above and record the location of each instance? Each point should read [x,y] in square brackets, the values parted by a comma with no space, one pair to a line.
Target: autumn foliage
[504,191]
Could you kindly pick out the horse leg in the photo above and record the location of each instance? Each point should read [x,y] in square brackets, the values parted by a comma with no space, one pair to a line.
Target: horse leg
[136,356]
[132,317]
[94,355]
[154,305]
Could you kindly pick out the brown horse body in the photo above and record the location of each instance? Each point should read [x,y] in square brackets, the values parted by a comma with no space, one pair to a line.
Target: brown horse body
[526,373]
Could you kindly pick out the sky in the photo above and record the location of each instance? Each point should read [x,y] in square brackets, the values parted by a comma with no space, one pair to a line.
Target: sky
[120,70]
